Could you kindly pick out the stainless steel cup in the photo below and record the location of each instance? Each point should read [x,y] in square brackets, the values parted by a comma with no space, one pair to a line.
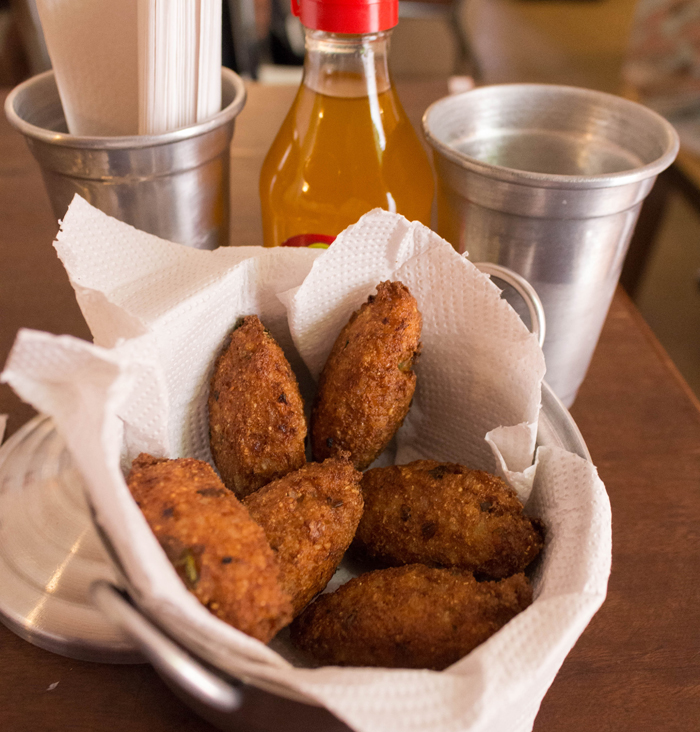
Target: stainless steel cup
[174,185]
[548,181]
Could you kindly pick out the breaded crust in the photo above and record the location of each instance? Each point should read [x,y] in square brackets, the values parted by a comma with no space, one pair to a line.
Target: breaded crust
[220,553]
[408,617]
[256,413]
[443,514]
[309,517]
[367,383]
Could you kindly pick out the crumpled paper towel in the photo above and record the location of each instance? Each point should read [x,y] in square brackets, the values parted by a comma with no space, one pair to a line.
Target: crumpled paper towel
[159,313]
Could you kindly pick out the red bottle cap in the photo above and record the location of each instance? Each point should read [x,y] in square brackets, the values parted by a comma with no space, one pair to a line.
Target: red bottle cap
[347,16]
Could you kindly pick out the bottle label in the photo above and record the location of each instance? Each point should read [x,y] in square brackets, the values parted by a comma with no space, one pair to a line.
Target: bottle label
[313,241]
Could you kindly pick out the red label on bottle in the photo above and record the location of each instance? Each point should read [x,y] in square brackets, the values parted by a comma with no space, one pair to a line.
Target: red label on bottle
[314,241]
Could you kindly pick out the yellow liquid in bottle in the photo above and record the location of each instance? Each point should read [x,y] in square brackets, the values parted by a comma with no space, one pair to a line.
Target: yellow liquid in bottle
[335,158]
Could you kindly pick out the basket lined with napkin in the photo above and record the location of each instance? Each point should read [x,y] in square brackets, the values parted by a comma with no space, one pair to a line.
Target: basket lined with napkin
[159,313]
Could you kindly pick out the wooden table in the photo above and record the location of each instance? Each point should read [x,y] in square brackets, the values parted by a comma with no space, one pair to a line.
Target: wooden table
[636,667]
[683,176]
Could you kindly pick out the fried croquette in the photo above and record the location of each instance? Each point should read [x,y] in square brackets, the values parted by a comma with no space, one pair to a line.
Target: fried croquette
[309,517]
[447,515]
[367,383]
[256,414]
[220,553]
[408,617]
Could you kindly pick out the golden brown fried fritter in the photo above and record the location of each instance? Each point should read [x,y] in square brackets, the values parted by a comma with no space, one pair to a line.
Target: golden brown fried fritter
[256,413]
[309,517]
[368,381]
[220,553]
[408,617]
[446,515]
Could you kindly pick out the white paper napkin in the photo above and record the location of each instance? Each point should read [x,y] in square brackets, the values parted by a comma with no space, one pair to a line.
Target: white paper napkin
[480,370]
[159,313]
[94,54]
[179,73]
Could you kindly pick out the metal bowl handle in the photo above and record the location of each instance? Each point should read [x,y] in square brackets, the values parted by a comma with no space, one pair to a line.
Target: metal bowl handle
[525,290]
[168,658]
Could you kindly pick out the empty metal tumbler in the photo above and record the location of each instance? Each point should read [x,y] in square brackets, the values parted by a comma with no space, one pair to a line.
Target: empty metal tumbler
[174,185]
[548,181]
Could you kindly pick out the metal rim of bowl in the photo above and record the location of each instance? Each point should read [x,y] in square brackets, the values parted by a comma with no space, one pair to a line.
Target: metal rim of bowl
[229,112]
[553,180]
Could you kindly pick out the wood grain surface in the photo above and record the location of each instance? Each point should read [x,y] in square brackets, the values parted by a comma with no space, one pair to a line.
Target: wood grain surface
[636,667]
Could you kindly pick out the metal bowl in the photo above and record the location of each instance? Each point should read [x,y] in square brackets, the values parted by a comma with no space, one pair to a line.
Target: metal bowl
[59,583]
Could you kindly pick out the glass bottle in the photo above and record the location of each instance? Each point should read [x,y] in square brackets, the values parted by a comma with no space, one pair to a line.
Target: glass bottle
[346,145]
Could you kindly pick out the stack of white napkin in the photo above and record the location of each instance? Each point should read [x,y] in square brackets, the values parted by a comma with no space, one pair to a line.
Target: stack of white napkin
[134,66]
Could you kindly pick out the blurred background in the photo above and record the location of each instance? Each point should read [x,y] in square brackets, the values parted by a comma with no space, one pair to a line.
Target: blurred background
[648,50]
